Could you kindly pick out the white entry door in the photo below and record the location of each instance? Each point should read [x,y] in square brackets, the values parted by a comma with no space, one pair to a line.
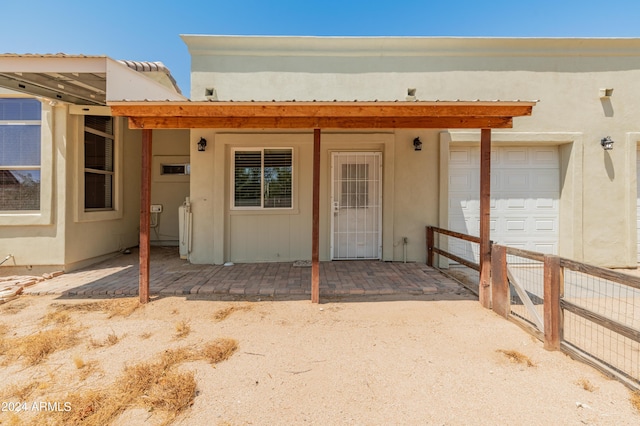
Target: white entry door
[356,200]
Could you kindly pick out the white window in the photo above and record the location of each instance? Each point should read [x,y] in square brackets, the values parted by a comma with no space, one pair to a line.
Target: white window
[99,165]
[20,154]
[98,162]
[262,178]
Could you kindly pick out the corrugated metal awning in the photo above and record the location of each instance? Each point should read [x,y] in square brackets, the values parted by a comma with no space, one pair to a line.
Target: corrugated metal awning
[82,79]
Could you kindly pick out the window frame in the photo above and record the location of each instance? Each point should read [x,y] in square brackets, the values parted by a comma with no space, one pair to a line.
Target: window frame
[261,207]
[43,215]
[83,214]
[93,171]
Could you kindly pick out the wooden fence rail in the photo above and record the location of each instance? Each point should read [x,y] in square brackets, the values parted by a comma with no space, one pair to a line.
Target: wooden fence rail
[555,305]
[550,328]
[432,249]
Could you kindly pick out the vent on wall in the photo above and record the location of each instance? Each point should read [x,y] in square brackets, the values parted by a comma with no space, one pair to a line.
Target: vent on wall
[175,169]
[211,94]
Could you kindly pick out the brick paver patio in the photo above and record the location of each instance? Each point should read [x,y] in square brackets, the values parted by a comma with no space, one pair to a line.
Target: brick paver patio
[172,276]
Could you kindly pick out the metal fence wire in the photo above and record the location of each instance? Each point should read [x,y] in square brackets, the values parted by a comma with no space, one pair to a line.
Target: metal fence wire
[526,281]
[613,301]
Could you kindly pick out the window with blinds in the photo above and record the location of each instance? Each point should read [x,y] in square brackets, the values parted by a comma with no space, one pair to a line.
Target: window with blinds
[262,178]
[98,162]
[20,140]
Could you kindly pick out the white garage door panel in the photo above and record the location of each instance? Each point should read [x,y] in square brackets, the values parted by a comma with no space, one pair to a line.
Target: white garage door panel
[524,195]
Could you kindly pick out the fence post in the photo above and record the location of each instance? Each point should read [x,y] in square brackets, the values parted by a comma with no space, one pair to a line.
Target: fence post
[501,303]
[553,284]
[430,242]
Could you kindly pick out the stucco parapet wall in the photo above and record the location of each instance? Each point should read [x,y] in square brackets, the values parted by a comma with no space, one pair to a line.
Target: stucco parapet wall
[217,45]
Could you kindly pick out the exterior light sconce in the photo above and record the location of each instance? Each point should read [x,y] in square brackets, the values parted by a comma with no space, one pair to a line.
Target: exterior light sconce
[607,143]
[417,144]
[202,143]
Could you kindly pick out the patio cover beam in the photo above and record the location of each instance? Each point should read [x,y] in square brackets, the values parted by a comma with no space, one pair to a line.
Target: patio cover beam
[368,122]
[324,115]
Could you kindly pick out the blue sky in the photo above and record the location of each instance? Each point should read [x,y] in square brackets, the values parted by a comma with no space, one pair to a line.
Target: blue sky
[147,30]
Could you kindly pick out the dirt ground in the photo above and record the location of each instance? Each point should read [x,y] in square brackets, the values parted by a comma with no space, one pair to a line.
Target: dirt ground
[366,361]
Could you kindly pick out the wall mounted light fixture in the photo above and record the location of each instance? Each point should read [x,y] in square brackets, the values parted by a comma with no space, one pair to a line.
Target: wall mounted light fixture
[417,144]
[607,143]
[202,143]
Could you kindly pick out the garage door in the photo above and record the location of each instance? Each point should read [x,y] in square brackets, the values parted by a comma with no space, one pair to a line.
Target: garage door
[524,196]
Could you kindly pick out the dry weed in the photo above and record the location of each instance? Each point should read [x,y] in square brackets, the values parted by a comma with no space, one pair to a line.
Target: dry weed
[19,392]
[4,330]
[89,368]
[14,420]
[79,362]
[146,335]
[113,307]
[173,393]
[35,348]
[225,312]
[635,400]
[586,385]
[110,340]
[517,357]
[172,357]
[183,328]
[219,350]
[56,317]
[154,385]
[13,308]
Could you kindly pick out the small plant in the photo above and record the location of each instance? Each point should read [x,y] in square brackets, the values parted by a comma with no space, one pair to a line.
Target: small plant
[145,335]
[183,328]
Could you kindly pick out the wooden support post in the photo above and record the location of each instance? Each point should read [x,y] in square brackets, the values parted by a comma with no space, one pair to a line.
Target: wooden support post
[315,234]
[485,218]
[500,297]
[145,216]
[430,243]
[553,319]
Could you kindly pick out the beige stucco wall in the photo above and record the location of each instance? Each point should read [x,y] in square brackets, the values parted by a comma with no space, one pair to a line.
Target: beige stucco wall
[170,191]
[36,240]
[92,235]
[598,188]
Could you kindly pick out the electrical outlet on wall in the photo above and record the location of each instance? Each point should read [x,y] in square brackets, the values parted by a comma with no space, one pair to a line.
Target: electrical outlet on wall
[156,208]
